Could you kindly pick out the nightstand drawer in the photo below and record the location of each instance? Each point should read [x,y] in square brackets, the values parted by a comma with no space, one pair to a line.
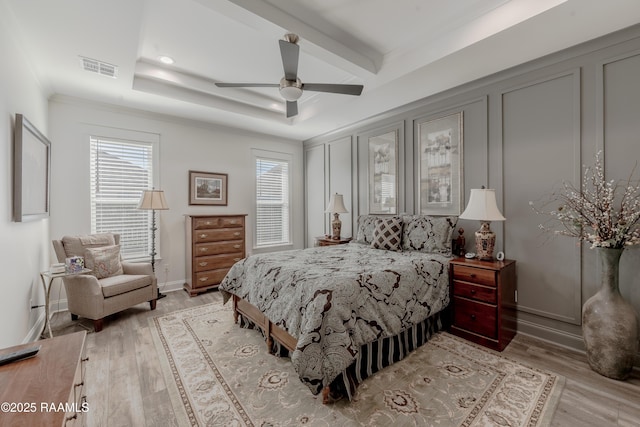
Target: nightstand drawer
[477,292]
[474,275]
[475,317]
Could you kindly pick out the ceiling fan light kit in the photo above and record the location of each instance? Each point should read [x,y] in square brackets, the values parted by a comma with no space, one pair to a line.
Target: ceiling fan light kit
[289,90]
[290,87]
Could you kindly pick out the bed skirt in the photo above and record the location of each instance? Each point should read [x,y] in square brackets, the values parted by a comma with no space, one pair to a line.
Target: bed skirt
[371,358]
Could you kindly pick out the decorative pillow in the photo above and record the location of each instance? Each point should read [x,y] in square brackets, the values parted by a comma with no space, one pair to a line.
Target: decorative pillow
[366,227]
[428,234]
[387,234]
[103,261]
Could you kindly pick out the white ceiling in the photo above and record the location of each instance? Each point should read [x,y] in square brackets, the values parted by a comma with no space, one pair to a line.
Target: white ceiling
[400,50]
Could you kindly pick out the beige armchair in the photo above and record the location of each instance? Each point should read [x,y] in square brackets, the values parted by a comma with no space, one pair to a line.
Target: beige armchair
[125,285]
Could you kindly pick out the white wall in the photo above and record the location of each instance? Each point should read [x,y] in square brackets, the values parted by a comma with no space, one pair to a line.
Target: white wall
[184,145]
[25,247]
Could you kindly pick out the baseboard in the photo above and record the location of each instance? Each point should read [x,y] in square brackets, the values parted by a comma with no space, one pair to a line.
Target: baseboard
[176,285]
[36,330]
[555,336]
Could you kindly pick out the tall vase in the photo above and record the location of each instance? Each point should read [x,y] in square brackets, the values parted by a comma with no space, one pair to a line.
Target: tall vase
[609,323]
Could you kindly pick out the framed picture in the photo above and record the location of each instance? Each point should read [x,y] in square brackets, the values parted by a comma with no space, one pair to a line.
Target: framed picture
[32,172]
[440,168]
[207,188]
[383,173]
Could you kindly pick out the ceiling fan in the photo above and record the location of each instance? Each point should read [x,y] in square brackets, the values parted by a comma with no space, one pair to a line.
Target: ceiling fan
[291,87]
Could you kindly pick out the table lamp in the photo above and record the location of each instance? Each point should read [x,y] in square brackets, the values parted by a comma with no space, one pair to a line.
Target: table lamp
[336,207]
[482,207]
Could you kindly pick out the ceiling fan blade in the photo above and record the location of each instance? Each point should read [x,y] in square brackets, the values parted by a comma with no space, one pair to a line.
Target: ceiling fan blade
[333,88]
[289,52]
[247,85]
[292,108]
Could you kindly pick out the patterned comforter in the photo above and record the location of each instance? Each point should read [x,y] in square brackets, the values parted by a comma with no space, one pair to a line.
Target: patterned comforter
[335,299]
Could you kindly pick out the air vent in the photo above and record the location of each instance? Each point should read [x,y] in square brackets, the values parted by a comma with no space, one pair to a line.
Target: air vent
[99,67]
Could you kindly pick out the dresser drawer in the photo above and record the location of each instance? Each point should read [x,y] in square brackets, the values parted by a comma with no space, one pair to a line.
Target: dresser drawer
[487,294]
[208,278]
[205,249]
[212,262]
[216,235]
[218,222]
[475,317]
[474,275]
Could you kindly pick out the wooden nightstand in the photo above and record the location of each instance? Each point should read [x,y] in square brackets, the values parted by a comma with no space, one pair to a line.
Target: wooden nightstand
[328,241]
[483,301]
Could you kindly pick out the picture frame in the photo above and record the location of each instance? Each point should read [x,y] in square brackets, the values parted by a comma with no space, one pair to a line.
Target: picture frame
[32,172]
[207,188]
[383,173]
[440,142]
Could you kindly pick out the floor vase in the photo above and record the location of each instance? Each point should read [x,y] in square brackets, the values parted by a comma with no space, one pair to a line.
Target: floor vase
[610,323]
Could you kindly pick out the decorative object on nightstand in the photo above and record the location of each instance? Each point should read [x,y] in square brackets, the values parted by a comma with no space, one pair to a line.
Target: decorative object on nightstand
[336,207]
[330,241]
[482,206]
[153,200]
[483,301]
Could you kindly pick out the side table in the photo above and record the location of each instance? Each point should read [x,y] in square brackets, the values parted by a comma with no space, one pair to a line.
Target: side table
[47,278]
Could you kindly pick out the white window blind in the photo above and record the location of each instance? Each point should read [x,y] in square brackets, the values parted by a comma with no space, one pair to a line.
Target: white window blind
[272,201]
[120,172]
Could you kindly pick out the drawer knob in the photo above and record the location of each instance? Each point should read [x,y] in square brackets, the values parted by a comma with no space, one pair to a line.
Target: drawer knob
[204,249]
[473,317]
[473,291]
[204,279]
[208,222]
[236,246]
[233,221]
[237,259]
[203,235]
[472,275]
[202,264]
[236,233]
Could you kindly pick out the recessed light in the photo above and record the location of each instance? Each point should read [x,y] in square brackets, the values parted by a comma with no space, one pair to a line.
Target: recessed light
[166,60]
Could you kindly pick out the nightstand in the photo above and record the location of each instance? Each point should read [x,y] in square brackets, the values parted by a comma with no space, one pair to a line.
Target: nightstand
[329,241]
[483,301]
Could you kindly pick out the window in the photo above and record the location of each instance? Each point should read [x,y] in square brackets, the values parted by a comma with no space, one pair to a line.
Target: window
[272,198]
[120,171]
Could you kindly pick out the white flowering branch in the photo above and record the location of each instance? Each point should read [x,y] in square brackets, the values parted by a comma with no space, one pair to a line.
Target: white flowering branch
[592,214]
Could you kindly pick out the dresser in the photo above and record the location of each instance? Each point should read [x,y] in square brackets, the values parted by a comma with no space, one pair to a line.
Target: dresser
[47,389]
[214,244]
[483,300]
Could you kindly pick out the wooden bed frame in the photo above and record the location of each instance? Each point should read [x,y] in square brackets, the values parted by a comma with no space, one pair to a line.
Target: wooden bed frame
[271,332]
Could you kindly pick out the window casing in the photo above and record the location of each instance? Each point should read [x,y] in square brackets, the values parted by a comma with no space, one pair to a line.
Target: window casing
[120,171]
[273,199]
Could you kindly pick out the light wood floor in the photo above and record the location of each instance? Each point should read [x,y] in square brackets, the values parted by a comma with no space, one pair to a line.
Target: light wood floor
[125,386]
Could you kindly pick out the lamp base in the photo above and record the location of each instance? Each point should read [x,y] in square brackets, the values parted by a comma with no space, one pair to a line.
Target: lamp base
[485,242]
[336,225]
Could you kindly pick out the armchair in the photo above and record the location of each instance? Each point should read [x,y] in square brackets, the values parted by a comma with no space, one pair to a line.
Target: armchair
[110,288]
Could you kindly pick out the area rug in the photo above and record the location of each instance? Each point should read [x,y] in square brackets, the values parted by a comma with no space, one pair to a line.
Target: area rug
[221,375]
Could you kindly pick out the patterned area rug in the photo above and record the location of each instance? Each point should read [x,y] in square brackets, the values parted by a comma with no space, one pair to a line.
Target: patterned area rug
[221,375]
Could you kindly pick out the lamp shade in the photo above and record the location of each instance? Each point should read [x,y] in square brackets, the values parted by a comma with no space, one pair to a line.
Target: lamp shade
[482,206]
[336,204]
[153,200]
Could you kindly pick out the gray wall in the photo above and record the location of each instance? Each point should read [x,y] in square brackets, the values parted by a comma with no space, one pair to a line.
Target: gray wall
[526,131]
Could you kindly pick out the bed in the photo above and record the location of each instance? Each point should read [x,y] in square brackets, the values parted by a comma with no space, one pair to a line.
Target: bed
[343,312]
